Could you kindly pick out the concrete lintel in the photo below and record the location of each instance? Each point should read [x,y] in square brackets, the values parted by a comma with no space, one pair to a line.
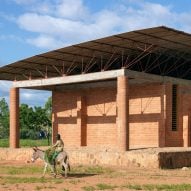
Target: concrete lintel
[105,75]
[89,85]
[156,78]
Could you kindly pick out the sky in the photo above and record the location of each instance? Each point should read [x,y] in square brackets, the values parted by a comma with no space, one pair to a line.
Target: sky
[30,27]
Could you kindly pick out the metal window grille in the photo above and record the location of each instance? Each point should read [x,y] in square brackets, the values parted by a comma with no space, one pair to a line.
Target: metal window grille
[174,108]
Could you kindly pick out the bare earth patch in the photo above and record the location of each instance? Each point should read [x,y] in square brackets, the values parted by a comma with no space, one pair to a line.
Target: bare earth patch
[15,175]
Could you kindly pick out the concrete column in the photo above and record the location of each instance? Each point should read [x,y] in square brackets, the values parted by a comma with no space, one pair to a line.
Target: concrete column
[14,118]
[123,113]
[82,119]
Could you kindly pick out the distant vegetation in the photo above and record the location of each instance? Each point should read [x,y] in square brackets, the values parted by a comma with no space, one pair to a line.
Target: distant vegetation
[35,122]
[27,142]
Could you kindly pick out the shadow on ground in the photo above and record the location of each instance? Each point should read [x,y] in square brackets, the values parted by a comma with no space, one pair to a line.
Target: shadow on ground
[79,175]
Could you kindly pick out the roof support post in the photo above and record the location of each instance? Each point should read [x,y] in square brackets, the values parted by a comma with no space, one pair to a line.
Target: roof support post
[81,119]
[186,130]
[14,118]
[123,113]
[162,125]
[54,118]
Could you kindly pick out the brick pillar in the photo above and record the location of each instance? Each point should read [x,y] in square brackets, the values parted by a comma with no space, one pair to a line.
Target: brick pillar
[162,124]
[14,118]
[123,113]
[168,114]
[54,119]
[186,131]
[81,119]
[54,127]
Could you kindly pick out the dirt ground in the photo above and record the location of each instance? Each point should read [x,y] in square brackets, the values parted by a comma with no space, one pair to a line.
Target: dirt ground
[96,178]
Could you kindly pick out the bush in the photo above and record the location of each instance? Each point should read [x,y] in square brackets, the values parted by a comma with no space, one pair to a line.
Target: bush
[28,134]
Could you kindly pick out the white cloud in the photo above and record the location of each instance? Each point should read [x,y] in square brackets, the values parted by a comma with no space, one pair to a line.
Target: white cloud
[73,9]
[47,24]
[11,37]
[69,30]
[45,41]
[25,2]
[26,96]
[8,17]
[70,21]
[62,22]
[5,86]
[34,97]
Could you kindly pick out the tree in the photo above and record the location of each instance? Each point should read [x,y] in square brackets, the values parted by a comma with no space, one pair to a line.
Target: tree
[27,126]
[48,109]
[4,119]
[33,120]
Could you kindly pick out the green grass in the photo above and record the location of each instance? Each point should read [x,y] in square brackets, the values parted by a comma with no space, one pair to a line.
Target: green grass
[25,142]
[149,187]
[16,170]
[103,186]
[18,180]
[4,142]
[75,182]
[159,187]
[89,188]
[13,170]
[24,174]
[44,187]
[90,170]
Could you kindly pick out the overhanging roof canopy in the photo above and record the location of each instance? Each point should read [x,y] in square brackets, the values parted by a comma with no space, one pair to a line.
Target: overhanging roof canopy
[160,50]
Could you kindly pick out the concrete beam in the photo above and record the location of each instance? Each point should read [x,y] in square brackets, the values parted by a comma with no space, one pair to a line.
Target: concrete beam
[156,78]
[89,85]
[112,74]
[97,76]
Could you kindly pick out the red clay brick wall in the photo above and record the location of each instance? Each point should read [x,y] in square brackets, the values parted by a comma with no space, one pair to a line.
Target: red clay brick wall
[146,118]
[173,138]
[101,117]
[185,116]
[150,117]
[65,117]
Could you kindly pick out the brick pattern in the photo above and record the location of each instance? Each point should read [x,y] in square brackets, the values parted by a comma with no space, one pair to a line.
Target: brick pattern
[185,116]
[99,114]
[146,115]
[101,117]
[14,118]
[65,117]
[123,113]
[82,119]
[91,117]
[173,138]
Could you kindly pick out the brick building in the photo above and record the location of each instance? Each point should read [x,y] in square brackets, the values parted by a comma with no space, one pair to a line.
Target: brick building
[129,90]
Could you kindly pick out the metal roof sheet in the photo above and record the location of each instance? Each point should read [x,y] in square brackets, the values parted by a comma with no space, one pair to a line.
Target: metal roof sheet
[155,50]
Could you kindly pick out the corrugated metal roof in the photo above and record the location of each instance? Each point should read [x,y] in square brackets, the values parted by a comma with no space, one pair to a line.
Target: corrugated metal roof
[160,50]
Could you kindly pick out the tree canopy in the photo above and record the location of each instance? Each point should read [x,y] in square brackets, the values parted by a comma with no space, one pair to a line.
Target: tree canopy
[4,118]
[33,120]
